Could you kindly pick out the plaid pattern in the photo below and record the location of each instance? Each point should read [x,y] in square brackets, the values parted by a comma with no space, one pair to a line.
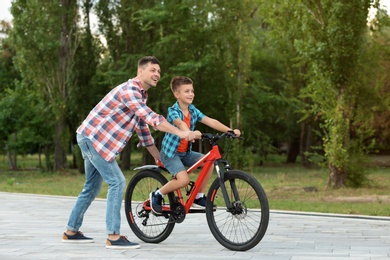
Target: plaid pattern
[113,120]
[171,142]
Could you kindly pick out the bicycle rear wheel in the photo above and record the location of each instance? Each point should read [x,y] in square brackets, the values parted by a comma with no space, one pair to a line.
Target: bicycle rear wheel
[145,225]
[245,225]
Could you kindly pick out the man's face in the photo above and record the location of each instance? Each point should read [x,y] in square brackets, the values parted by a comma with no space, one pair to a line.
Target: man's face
[149,75]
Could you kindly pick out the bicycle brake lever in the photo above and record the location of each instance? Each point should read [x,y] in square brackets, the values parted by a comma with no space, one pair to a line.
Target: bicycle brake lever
[231,134]
[207,136]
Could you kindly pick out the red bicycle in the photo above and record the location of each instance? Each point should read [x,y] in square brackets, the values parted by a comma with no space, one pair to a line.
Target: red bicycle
[237,208]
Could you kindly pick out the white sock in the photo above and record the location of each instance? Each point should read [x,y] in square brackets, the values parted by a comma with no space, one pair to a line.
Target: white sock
[199,195]
[158,192]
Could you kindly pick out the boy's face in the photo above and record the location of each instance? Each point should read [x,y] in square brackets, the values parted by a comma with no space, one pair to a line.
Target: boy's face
[185,94]
[149,75]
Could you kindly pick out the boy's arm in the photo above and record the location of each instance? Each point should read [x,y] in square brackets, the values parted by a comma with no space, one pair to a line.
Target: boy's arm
[181,125]
[215,124]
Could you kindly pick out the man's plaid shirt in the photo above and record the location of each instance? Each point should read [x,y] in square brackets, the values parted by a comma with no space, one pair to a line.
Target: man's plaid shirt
[113,120]
[171,142]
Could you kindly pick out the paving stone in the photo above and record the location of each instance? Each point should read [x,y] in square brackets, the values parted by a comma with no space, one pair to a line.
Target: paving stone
[31,227]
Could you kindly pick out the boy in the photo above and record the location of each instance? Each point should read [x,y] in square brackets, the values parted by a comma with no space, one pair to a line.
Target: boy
[176,153]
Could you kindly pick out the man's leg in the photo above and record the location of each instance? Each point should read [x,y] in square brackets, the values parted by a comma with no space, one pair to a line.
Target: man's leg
[92,187]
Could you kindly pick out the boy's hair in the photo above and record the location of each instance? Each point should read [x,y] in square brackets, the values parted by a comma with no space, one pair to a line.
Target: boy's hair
[145,60]
[177,81]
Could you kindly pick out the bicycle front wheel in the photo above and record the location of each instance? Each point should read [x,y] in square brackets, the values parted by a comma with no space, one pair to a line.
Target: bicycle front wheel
[244,225]
[145,225]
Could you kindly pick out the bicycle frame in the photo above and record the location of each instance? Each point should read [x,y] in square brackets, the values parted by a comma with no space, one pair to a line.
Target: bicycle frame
[208,161]
[212,158]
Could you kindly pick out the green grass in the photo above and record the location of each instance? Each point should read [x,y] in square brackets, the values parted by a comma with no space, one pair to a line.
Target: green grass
[288,187]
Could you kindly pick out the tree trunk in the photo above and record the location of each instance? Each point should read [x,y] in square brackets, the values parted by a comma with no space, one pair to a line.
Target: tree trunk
[339,141]
[48,161]
[11,155]
[126,157]
[40,156]
[293,150]
[305,143]
[63,80]
[60,161]
[336,177]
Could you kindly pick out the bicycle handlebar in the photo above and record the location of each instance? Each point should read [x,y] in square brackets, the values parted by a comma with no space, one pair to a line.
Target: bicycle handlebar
[215,138]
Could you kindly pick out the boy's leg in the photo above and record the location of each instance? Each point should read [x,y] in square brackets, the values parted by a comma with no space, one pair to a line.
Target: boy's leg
[206,181]
[175,166]
[190,159]
[200,199]
[156,196]
[181,180]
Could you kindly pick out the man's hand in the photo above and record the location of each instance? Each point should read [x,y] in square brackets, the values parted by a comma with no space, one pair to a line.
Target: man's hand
[188,135]
[198,134]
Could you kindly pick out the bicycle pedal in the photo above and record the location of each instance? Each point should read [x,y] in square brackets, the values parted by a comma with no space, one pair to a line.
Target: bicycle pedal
[195,210]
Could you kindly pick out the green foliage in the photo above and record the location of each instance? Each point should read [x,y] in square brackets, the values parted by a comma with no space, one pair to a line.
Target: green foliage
[334,44]
[239,156]
[270,68]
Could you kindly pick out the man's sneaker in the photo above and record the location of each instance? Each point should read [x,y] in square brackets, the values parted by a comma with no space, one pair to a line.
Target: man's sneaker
[121,243]
[156,202]
[76,238]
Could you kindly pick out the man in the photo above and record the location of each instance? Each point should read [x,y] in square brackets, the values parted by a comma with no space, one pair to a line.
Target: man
[103,135]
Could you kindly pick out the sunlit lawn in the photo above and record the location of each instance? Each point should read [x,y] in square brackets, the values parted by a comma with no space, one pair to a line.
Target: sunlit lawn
[288,187]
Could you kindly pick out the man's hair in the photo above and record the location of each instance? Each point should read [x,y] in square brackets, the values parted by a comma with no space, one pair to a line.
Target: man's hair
[177,81]
[145,60]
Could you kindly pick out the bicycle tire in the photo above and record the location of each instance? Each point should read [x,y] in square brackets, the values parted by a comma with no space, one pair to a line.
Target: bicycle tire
[157,228]
[238,231]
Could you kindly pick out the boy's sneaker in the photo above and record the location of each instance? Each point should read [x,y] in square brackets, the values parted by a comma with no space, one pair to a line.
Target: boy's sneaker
[156,202]
[76,238]
[200,203]
[121,243]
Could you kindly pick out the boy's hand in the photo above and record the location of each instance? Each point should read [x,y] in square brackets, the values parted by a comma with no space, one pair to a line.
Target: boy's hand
[237,132]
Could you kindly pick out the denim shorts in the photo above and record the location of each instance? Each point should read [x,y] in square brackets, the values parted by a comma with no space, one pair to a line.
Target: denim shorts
[180,161]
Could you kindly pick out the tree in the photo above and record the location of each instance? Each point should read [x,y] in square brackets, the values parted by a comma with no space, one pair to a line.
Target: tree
[44,55]
[86,91]
[334,42]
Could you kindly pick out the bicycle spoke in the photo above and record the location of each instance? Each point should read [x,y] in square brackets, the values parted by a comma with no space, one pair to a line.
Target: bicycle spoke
[145,225]
[242,225]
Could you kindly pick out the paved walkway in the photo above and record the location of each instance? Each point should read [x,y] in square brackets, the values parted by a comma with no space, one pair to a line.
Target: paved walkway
[31,228]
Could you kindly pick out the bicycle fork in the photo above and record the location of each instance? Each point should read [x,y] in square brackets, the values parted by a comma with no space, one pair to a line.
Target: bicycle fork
[231,207]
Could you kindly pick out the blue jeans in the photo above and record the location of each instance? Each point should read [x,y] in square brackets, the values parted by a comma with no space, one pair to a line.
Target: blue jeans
[179,161]
[96,170]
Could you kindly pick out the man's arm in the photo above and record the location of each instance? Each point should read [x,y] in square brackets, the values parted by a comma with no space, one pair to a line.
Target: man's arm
[154,152]
[183,126]
[167,127]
